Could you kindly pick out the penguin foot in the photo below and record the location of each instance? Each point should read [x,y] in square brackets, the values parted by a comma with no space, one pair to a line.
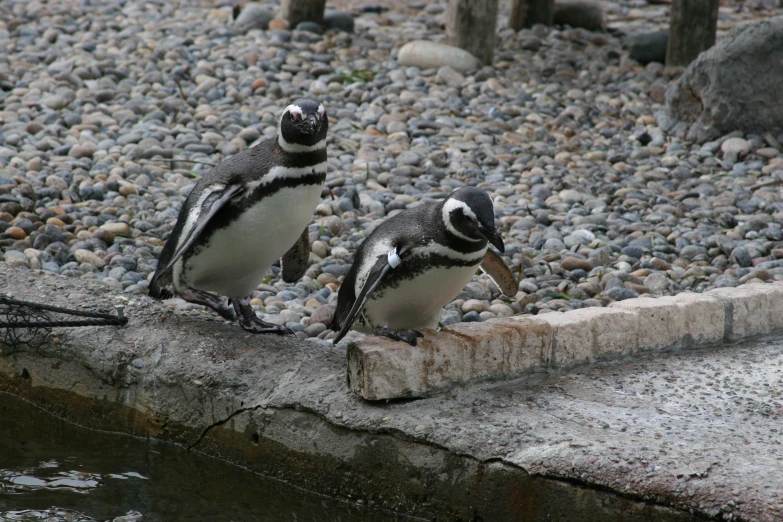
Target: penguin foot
[408,336]
[193,295]
[250,322]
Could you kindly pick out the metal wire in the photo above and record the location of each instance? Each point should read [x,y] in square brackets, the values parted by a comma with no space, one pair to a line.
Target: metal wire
[29,323]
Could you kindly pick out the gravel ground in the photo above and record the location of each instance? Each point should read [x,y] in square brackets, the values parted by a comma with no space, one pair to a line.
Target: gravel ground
[110,110]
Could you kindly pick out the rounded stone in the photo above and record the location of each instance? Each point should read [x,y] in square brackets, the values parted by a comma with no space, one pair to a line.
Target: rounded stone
[574,263]
[16,232]
[475,305]
[322,314]
[427,55]
[86,256]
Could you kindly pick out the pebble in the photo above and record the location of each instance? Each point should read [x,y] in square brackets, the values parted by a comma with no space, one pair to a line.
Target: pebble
[16,232]
[85,256]
[475,305]
[574,263]
[322,314]
[734,149]
[16,259]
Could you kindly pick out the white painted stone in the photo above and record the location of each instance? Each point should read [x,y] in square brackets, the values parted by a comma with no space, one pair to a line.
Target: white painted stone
[427,55]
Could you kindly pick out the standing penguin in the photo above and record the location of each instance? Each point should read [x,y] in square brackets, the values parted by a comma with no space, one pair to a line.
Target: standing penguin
[417,261]
[245,214]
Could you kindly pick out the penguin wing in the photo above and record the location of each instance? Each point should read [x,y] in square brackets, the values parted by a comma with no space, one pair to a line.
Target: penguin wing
[374,278]
[497,270]
[209,206]
[294,262]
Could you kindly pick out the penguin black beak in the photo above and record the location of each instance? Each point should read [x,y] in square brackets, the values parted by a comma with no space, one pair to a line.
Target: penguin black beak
[493,236]
[313,123]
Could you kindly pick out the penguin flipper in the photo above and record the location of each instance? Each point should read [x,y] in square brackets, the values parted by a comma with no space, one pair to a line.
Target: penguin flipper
[294,262]
[497,270]
[209,207]
[374,278]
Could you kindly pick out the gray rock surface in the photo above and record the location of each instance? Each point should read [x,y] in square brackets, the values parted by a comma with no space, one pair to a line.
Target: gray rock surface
[735,85]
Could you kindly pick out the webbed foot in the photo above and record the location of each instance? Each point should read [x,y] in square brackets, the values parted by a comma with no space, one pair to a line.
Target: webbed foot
[408,336]
[193,295]
[250,322]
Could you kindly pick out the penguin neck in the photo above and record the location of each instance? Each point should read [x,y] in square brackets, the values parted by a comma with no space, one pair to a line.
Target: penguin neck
[295,148]
[452,213]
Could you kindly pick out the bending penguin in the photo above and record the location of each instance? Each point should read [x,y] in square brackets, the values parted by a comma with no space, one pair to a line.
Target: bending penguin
[244,215]
[417,261]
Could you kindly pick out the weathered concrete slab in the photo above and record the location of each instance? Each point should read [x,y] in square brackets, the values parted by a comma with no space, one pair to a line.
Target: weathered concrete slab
[651,436]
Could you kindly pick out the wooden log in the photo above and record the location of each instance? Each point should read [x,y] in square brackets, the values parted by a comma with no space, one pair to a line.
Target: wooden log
[692,28]
[295,11]
[471,25]
[526,13]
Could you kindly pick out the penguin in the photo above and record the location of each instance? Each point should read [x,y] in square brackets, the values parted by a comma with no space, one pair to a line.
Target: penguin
[243,215]
[416,262]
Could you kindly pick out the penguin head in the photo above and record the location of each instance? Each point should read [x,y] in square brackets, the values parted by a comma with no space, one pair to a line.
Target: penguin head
[303,126]
[469,214]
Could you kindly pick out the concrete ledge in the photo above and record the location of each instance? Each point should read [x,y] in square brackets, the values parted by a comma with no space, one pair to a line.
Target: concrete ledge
[380,368]
[689,435]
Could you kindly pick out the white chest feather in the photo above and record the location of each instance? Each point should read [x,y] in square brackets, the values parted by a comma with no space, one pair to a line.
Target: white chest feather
[416,303]
[237,257]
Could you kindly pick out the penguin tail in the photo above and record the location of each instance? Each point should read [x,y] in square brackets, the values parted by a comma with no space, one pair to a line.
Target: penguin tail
[334,324]
[157,289]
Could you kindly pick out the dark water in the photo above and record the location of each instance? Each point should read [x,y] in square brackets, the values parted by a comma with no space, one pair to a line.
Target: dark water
[54,471]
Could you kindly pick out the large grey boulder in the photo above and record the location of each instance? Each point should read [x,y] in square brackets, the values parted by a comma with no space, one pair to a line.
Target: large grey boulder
[735,85]
[579,13]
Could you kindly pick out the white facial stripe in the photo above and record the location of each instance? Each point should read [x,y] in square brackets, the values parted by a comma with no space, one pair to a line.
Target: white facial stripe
[295,111]
[452,205]
[321,110]
[295,147]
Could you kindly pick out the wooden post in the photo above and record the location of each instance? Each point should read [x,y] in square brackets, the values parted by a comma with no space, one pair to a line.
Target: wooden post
[526,13]
[471,25]
[692,29]
[295,11]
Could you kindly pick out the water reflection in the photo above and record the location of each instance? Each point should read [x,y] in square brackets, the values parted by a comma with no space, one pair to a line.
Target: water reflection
[89,476]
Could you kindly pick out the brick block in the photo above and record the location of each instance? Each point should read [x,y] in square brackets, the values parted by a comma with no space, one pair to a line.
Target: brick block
[380,368]
[755,309]
[684,320]
[590,333]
